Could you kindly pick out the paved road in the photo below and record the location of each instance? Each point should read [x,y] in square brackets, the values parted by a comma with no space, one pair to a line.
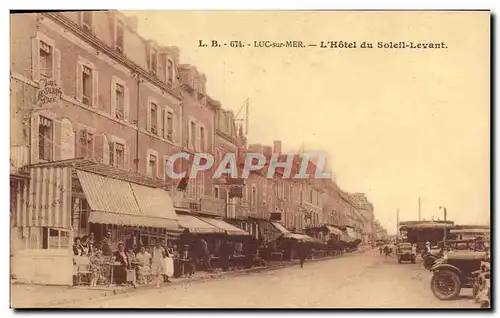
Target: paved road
[365,280]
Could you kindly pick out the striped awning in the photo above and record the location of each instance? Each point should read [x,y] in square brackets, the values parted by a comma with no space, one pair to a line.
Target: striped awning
[119,202]
[280,227]
[333,230]
[46,202]
[195,225]
[226,227]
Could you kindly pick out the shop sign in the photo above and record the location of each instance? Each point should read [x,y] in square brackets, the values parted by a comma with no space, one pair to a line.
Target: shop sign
[49,93]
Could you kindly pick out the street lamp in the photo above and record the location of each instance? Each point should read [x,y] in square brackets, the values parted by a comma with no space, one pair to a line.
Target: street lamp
[444,237]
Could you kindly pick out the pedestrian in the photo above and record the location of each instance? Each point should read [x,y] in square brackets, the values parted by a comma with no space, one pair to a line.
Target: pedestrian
[144,268]
[158,263]
[380,250]
[106,245]
[302,253]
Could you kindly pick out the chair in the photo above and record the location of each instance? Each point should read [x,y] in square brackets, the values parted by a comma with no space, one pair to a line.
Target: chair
[82,269]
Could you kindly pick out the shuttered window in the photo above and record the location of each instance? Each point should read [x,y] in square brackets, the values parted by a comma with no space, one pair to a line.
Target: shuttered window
[45,139]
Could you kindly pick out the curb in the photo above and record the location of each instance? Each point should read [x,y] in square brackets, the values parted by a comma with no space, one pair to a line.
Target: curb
[128,290]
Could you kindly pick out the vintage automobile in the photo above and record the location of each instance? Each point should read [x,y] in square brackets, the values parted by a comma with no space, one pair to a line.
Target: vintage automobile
[454,271]
[405,253]
[437,252]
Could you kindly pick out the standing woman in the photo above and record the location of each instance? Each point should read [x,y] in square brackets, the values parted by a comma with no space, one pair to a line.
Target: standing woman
[158,263]
[169,262]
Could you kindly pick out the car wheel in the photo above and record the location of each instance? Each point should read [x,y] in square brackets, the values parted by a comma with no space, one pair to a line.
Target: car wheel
[445,285]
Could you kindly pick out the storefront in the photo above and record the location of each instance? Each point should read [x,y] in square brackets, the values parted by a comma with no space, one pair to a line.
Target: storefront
[72,198]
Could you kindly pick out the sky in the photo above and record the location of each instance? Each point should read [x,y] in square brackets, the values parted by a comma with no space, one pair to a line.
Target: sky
[397,124]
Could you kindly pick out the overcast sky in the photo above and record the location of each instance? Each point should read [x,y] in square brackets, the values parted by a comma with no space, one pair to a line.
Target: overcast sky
[398,124]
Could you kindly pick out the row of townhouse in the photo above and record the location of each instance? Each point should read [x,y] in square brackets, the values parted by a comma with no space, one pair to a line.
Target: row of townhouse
[123,100]
[88,85]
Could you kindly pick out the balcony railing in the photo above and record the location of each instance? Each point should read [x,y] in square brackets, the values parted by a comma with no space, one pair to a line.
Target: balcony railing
[182,200]
[214,206]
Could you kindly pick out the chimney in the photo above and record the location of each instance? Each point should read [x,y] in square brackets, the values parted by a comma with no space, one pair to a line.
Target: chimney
[277,146]
[133,23]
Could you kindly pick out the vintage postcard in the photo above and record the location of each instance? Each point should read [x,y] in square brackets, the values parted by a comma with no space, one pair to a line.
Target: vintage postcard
[250,159]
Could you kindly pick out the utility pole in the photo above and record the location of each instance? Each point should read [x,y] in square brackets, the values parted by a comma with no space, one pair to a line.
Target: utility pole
[444,235]
[397,225]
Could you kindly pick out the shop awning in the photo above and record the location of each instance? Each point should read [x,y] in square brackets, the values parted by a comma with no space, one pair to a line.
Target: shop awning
[197,226]
[333,230]
[346,238]
[300,237]
[280,227]
[120,202]
[470,231]
[228,228]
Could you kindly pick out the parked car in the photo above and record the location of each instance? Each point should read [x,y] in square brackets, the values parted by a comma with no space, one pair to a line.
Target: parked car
[454,271]
[405,253]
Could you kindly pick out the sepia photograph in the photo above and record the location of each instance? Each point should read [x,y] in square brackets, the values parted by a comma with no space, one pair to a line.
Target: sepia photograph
[312,159]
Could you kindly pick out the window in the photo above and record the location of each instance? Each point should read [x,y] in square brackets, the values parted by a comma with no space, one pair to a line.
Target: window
[87,144]
[193,134]
[170,125]
[117,155]
[152,165]
[202,138]
[170,71]
[46,60]
[45,139]
[216,192]
[154,118]
[119,36]
[153,60]
[120,101]
[86,85]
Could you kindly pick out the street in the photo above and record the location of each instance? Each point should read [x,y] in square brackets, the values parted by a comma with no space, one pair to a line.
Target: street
[360,280]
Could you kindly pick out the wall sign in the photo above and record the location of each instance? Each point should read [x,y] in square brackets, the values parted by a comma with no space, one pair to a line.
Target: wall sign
[49,93]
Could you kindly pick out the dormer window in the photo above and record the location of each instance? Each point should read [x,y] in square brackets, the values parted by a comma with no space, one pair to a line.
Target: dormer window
[170,71]
[120,34]
[153,60]
[87,18]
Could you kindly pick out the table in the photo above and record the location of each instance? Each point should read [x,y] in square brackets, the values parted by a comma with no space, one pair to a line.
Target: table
[112,264]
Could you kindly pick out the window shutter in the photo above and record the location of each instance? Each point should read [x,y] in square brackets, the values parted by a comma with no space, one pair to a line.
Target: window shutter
[105,150]
[126,157]
[198,137]
[159,111]
[148,126]
[95,89]
[126,104]
[113,99]
[35,59]
[165,123]
[99,148]
[79,88]
[56,140]
[35,120]
[57,68]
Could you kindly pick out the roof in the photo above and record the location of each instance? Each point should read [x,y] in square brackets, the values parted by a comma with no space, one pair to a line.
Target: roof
[106,170]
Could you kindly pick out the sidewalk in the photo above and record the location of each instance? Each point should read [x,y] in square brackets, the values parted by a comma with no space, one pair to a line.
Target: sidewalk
[36,296]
